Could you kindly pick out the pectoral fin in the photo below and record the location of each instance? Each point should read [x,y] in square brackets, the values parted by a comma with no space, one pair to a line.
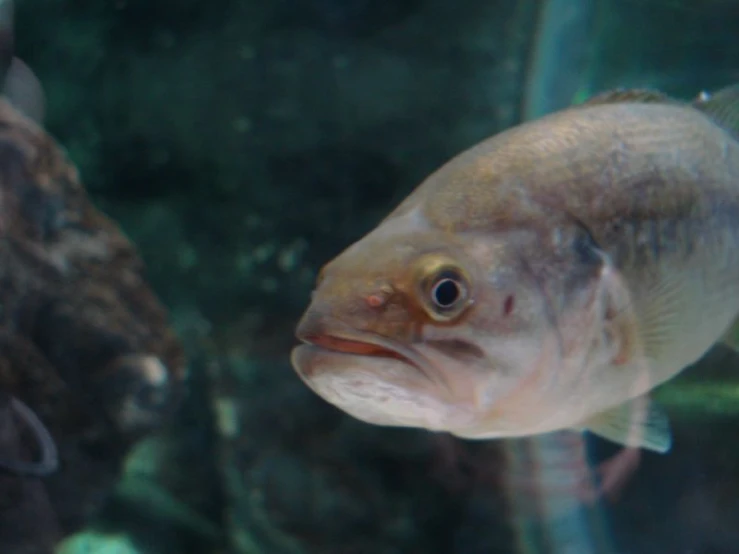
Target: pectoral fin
[639,423]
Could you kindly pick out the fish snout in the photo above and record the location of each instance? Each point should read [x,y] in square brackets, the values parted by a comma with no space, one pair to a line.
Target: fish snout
[319,321]
[311,324]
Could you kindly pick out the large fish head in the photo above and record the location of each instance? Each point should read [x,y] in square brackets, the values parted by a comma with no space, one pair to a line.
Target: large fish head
[420,327]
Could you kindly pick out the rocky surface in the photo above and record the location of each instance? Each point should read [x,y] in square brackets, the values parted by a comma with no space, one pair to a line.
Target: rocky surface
[84,342]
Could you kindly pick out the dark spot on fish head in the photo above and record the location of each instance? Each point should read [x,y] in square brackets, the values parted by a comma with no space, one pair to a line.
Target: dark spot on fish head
[508,305]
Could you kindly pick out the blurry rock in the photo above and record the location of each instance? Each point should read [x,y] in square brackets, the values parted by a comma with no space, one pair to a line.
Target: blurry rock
[83,340]
[28,524]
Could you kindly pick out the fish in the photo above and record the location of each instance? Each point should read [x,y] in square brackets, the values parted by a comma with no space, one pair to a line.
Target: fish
[548,278]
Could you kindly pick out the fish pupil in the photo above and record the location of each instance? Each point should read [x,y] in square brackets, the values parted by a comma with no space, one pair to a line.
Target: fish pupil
[446,293]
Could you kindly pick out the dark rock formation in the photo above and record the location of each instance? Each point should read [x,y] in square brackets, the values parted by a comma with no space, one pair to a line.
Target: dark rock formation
[83,340]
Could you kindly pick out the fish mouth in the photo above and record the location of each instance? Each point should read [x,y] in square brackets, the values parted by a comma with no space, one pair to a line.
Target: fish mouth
[353,346]
[368,346]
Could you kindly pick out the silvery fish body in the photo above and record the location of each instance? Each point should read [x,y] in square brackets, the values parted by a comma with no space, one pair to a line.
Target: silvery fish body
[547,278]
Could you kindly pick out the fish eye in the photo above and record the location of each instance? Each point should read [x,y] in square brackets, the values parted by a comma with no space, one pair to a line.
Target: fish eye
[444,288]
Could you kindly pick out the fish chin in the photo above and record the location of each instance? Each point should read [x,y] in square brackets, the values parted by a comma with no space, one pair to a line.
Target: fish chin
[377,390]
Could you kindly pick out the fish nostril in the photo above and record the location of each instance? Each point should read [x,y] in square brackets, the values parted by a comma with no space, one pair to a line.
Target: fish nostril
[376,300]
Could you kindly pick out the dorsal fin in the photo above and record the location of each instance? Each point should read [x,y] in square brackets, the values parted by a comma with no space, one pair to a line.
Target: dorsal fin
[621,95]
[722,107]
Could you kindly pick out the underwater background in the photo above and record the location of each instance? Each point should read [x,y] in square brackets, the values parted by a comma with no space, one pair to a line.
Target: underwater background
[240,145]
